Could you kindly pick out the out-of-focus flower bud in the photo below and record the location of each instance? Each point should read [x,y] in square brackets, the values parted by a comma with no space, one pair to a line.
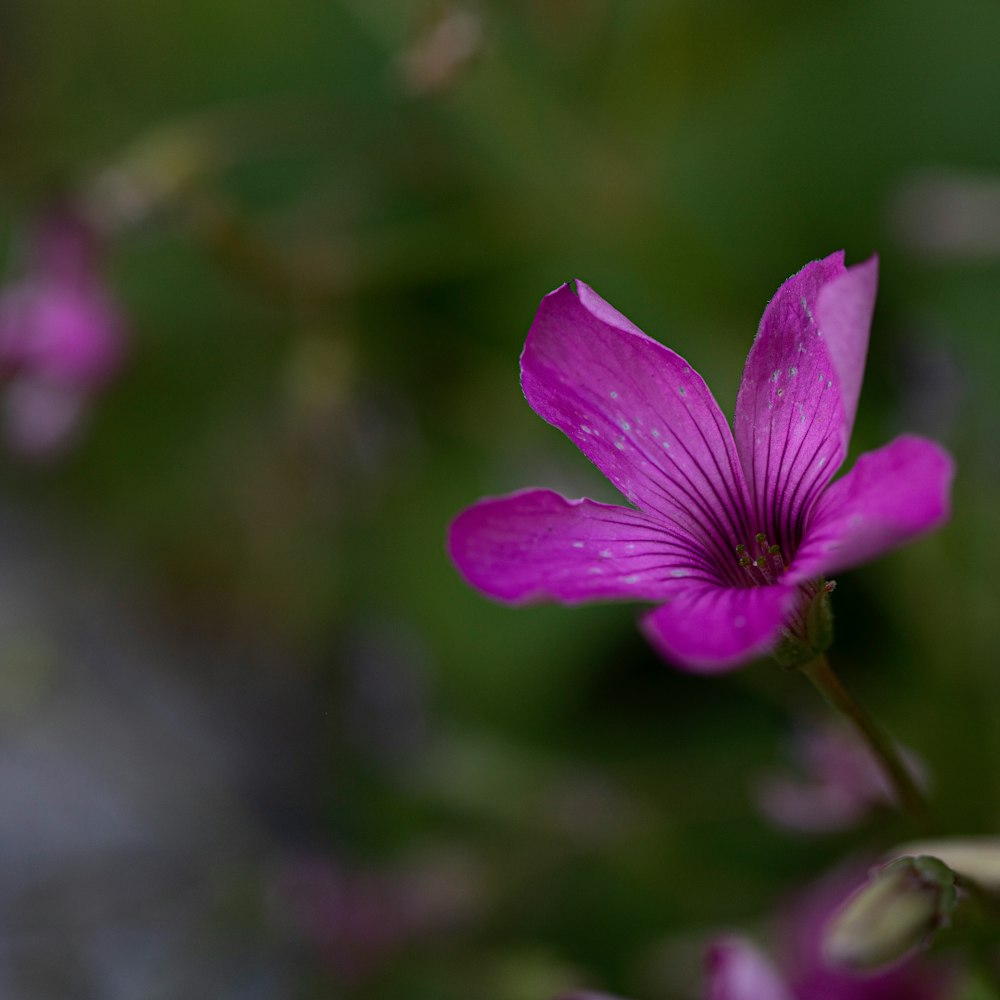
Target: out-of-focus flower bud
[894,913]
[973,858]
[835,782]
[940,214]
[440,55]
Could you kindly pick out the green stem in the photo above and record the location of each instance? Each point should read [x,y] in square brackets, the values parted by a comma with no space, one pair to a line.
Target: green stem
[910,798]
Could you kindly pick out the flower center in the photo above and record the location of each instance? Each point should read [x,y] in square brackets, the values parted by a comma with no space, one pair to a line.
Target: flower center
[766,566]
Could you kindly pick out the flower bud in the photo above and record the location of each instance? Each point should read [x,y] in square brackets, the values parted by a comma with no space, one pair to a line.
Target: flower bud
[973,858]
[896,911]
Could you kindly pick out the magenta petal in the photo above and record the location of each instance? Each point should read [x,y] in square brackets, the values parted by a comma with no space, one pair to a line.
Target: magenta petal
[709,629]
[641,414]
[892,495]
[844,310]
[800,389]
[536,545]
[737,970]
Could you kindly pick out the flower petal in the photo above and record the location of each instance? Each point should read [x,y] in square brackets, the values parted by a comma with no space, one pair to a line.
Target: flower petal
[641,414]
[800,389]
[738,970]
[536,545]
[709,629]
[892,495]
[844,310]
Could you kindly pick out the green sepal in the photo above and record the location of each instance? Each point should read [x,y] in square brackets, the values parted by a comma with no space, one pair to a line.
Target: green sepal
[792,652]
[815,630]
[819,619]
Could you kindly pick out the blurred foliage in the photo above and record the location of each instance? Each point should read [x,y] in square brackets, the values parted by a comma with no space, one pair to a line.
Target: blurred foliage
[331,223]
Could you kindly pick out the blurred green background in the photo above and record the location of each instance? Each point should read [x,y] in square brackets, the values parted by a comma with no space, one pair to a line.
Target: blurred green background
[256,736]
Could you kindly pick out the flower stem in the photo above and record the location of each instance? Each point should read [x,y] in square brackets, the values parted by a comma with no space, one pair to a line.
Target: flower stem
[909,797]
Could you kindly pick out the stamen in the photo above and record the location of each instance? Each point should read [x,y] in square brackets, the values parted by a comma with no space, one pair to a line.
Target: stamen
[767,566]
[779,563]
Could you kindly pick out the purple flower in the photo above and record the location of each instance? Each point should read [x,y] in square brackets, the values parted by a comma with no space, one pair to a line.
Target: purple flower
[730,531]
[61,334]
[836,785]
[800,933]
[738,970]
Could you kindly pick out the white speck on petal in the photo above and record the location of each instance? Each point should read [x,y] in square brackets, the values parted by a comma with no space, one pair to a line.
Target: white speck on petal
[614,395]
[632,579]
[626,426]
[594,569]
[655,432]
[578,545]
[739,621]
[781,392]
[828,383]
[793,371]
[620,444]
[666,445]
[682,390]
[630,547]
[605,553]
[679,573]
[821,463]
[776,374]
[584,429]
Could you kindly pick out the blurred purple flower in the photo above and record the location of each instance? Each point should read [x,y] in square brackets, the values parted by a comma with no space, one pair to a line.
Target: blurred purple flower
[738,970]
[838,782]
[800,933]
[61,334]
[732,531]
[359,920]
